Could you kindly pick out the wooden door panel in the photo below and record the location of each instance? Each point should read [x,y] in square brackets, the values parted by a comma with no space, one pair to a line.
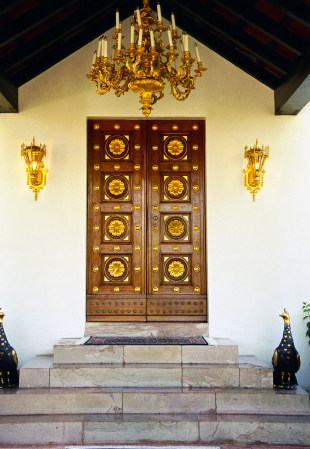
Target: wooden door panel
[146,231]
[176,287]
[116,226]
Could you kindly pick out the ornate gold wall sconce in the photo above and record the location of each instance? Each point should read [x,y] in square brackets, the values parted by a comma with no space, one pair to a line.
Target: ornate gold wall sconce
[36,173]
[254,174]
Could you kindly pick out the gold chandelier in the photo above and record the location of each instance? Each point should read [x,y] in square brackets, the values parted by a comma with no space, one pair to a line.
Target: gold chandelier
[145,65]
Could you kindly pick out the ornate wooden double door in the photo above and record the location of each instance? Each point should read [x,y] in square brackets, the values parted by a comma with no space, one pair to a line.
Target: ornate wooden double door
[146,221]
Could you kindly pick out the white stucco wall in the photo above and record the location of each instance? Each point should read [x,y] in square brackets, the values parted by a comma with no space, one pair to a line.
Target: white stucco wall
[258,253]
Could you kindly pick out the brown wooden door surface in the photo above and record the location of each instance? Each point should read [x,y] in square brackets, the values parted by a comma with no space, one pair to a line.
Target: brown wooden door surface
[146,221]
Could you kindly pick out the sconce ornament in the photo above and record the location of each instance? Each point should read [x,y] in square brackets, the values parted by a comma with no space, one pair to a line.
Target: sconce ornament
[254,174]
[36,173]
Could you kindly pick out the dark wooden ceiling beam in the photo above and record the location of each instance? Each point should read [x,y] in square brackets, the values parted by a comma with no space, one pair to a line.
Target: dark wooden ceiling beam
[212,41]
[255,18]
[16,28]
[8,95]
[11,4]
[60,33]
[59,43]
[294,92]
[232,33]
[297,10]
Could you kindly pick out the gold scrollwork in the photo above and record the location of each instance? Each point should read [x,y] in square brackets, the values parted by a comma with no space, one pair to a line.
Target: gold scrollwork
[196,207]
[195,147]
[175,207]
[175,127]
[154,167]
[155,187]
[137,207]
[137,228]
[175,167]
[95,269]
[195,127]
[176,289]
[96,207]
[116,289]
[137,269]
[175,187]
[116,126]
[196,269]
[155,147]
[96,248]
[96,166]
[195,167]
[155,228]
[116,268]
[137,127]
[116,187]
[95,289]
[137,147]
[196,248]
[196,228]
[195,187]
[155,269]
[96,187]
[117,248]
[116,227]
[137,248]
[137,167]
[137,289]
[175,147]
[137,187]
[96,228]
[117,147]
[117,167]
[155,289]
[116,207]
[155,207]
[176,268]
[176,248]
[154,127]
[96,147]
[155,248]
[196,289]
[96,126]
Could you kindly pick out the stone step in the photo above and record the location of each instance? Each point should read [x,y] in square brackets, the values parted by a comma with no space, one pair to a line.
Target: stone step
[147,429]
[249,373]
[204,401]
[73,350]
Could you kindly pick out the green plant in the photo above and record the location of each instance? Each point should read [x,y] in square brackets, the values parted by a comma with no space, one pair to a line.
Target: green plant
[306,310]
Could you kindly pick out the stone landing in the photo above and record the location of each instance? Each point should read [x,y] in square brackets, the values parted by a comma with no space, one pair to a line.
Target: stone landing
[137,394]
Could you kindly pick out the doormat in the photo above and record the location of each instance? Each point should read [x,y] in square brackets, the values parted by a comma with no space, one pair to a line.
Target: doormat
[146,341]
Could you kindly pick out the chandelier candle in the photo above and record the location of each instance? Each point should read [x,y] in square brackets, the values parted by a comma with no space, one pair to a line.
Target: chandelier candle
[148,63]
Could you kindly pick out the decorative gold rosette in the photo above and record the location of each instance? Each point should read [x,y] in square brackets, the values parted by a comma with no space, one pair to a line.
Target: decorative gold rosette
[175,147]
[175,187]
[116,228]
[176,228]
[116,268]
[176,269]
[116,187]
[117,147]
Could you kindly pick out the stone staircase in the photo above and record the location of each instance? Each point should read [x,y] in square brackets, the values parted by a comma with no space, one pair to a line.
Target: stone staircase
[166,394]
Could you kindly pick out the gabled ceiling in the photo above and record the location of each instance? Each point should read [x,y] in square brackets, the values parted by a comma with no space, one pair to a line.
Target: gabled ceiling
[268,39]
